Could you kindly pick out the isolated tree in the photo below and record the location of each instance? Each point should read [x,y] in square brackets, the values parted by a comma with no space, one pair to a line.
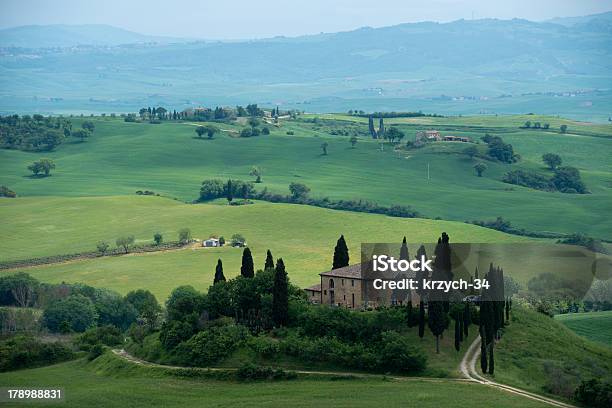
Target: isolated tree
[184,235]
[102,247]
[256,172]
[393,134]
[353,141]
[298,191]
[324,148]
[211,130]
[247,269]
[229,191]
[421,319]
[88,126]
[280,295]
[527,124]
[341,254]
[552,160]
[158,238]
[269,261]
[563,128]
[81,134]
[437,321]
[219,272]
[480,168]
[200,130]
[42,166]
[125,242]
[471,151]
[546,126]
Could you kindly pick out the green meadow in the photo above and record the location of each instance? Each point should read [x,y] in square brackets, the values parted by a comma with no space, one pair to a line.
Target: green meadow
[303,236]
[107,382]
[122,158]
[596,326]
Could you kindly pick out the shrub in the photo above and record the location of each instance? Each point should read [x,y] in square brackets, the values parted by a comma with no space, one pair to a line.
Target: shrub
[75,312]
[95,351]
[398,354]
[212,345]
[106,335]
[265,346]
[594,393]
[24,352]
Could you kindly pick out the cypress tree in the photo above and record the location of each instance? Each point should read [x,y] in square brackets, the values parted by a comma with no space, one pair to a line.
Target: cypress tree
[460,318]
[219,272]
[483,351]
[269,261]
[457,333]
[247,269]
[404,250]
[437,321]
[230,191]
[280,295]
[371,127]
[381,128]
[421,319]
[507,310]
[467,319]
[341,254]
[491,360]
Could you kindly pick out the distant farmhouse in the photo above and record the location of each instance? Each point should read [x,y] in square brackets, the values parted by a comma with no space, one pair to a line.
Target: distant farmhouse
[348,287]
[211,242]
[435,136]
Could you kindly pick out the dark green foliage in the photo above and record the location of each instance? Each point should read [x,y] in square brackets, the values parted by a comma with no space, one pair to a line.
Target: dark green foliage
[269,261]
[43,166]
[174,332]
[7,192]
[404,250]
[211,345]
[593,244]
[298,191]
[219,272]
[184,301]
[18,289]
[483,351]
[107,335]
[398,354]
[146,305]
[112,309]
[421,319]
[33,134]
[280,295]
[95,351]
[467,319]
[247,269]
[252,372]
[594,393]
[158,238]
[567,180]
[499,150]
[211,189]
[491,359]
[341,254]
[437,321]
[457,335]
[552,160]
[75,312]
[26,352]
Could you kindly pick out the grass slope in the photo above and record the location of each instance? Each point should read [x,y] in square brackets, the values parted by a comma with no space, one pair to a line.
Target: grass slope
[106,382]
[537,352]
[124,157]
[596,326]
[303,236]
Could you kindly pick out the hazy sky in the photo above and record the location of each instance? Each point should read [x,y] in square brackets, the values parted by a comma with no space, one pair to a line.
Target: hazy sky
[266,18]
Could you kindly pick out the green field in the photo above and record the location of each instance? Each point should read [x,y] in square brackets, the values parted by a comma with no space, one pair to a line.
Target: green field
[166,158]
[107,382]
[538,353]
[596,326]
[303,236]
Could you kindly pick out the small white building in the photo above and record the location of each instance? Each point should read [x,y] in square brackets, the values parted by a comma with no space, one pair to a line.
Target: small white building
[211,242]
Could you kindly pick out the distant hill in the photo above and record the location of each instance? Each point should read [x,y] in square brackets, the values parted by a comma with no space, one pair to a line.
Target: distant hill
[60,35]
[570,21]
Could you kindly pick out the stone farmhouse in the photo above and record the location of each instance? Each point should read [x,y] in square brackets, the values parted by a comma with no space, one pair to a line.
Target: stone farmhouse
[435,136]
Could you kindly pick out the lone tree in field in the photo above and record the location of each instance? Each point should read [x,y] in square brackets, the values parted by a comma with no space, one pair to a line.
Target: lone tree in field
[184,236]
[269,261]
[421,319]
[280,295]
[200,130]
[298,191]
[42,166]
[341,254]
[89,126]
[81,134]
[552,160]
[437,321]
[563,128]
[324,148]
[102,247]
[247,269]
[210,130]
[125,243]
[219,272]
[158,238]
[257,173]
[353,141]
[480,168]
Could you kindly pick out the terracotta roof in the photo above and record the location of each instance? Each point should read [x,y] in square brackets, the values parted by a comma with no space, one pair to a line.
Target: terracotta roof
[351,271]
[314,288]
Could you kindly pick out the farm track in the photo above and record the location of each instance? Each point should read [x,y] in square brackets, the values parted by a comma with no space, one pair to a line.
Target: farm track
[468,369]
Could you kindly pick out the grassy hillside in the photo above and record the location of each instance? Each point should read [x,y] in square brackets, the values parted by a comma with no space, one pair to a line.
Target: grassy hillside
[303,236]
[539,354]
[166,158]
[596,326]
[110,382]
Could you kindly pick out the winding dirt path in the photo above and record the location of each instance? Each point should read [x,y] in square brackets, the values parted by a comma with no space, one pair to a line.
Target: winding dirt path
[468,369]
